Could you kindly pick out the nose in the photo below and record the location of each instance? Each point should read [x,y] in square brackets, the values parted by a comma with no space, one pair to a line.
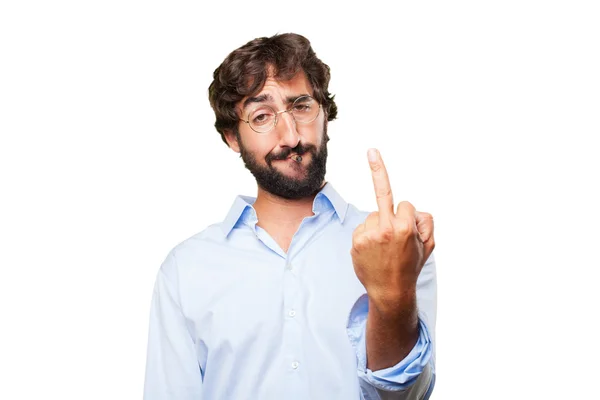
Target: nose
[286,128]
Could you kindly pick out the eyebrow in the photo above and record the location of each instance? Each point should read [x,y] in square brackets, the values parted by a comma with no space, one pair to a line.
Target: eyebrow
[268,98]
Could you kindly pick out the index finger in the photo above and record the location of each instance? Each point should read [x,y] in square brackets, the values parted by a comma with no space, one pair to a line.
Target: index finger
[383,190]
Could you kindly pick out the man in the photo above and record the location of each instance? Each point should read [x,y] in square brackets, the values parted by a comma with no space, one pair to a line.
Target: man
[296,294]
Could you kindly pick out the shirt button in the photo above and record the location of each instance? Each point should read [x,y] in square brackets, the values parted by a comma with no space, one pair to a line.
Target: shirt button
[292,313]
[289,267]
[295,365]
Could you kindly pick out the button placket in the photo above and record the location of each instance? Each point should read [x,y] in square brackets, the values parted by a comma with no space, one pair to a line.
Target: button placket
[292,329]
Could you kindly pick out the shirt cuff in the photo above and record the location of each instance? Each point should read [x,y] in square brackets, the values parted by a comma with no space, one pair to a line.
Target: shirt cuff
[395,378]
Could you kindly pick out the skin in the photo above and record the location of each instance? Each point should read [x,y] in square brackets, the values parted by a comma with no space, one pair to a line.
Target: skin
[278,216]
[388,250]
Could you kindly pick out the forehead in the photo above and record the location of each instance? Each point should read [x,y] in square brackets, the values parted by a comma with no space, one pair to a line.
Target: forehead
[280,91]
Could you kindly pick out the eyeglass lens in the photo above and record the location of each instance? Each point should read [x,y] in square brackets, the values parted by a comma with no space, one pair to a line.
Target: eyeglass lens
[263,118]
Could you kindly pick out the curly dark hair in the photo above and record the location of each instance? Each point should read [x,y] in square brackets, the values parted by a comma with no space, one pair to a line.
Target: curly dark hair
[245,70]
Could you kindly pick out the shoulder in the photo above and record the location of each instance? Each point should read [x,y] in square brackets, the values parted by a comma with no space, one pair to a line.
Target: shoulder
[192,249]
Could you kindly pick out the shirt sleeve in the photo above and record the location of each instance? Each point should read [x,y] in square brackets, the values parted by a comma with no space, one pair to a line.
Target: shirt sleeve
[414,376]
[172,369]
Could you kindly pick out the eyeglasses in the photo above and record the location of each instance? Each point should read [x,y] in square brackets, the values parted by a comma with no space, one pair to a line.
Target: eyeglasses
[263,118]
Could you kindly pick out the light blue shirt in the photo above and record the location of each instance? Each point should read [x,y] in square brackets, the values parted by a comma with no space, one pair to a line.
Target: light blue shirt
[235,317]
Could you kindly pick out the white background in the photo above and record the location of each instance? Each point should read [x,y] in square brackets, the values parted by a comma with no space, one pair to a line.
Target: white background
[486,114]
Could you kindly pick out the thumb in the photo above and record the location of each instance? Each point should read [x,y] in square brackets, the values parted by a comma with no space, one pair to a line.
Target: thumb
[425,228]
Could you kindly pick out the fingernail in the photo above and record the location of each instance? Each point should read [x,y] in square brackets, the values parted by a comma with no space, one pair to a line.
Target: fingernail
[372,154]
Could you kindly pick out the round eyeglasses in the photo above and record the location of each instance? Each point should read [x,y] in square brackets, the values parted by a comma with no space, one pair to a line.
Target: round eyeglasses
[263,118]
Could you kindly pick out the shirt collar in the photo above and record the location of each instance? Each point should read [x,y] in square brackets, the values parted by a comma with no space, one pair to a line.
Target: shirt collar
[242,210]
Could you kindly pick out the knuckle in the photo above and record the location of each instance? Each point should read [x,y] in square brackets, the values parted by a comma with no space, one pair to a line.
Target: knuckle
[386,235]
[383,192]
[404,227]
[375,166]
[371,220]
[357,232]
[405,207]
[358,242]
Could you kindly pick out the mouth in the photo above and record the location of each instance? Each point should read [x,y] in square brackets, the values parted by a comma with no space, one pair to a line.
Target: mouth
[292,157]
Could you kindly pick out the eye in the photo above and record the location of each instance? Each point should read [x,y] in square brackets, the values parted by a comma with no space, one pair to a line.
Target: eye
[262,116]
[303,105]
[302,108]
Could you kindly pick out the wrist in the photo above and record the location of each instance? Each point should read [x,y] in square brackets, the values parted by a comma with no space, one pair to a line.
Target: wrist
[399,303]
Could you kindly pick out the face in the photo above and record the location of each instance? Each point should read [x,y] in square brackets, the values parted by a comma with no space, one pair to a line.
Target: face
[268,156]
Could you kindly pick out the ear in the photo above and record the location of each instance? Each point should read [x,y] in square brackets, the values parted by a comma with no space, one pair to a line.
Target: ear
[232,140]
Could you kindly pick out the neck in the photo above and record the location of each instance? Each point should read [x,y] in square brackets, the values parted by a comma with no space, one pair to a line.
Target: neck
[274,209]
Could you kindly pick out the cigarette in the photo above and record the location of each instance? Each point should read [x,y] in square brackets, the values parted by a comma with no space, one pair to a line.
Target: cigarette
[296,158]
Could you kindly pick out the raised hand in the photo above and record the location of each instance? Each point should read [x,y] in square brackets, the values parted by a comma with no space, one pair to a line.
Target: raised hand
[389,249]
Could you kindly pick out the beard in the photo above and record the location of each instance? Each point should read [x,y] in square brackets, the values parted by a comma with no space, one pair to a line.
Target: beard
[273,181]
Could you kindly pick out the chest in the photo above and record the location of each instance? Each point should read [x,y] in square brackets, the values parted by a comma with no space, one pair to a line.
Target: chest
[258,296]
[279,317]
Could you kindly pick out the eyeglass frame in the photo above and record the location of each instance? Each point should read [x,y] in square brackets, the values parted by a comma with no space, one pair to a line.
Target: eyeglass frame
[281,112]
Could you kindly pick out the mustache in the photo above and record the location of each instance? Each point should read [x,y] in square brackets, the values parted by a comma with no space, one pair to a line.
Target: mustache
[284,154]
